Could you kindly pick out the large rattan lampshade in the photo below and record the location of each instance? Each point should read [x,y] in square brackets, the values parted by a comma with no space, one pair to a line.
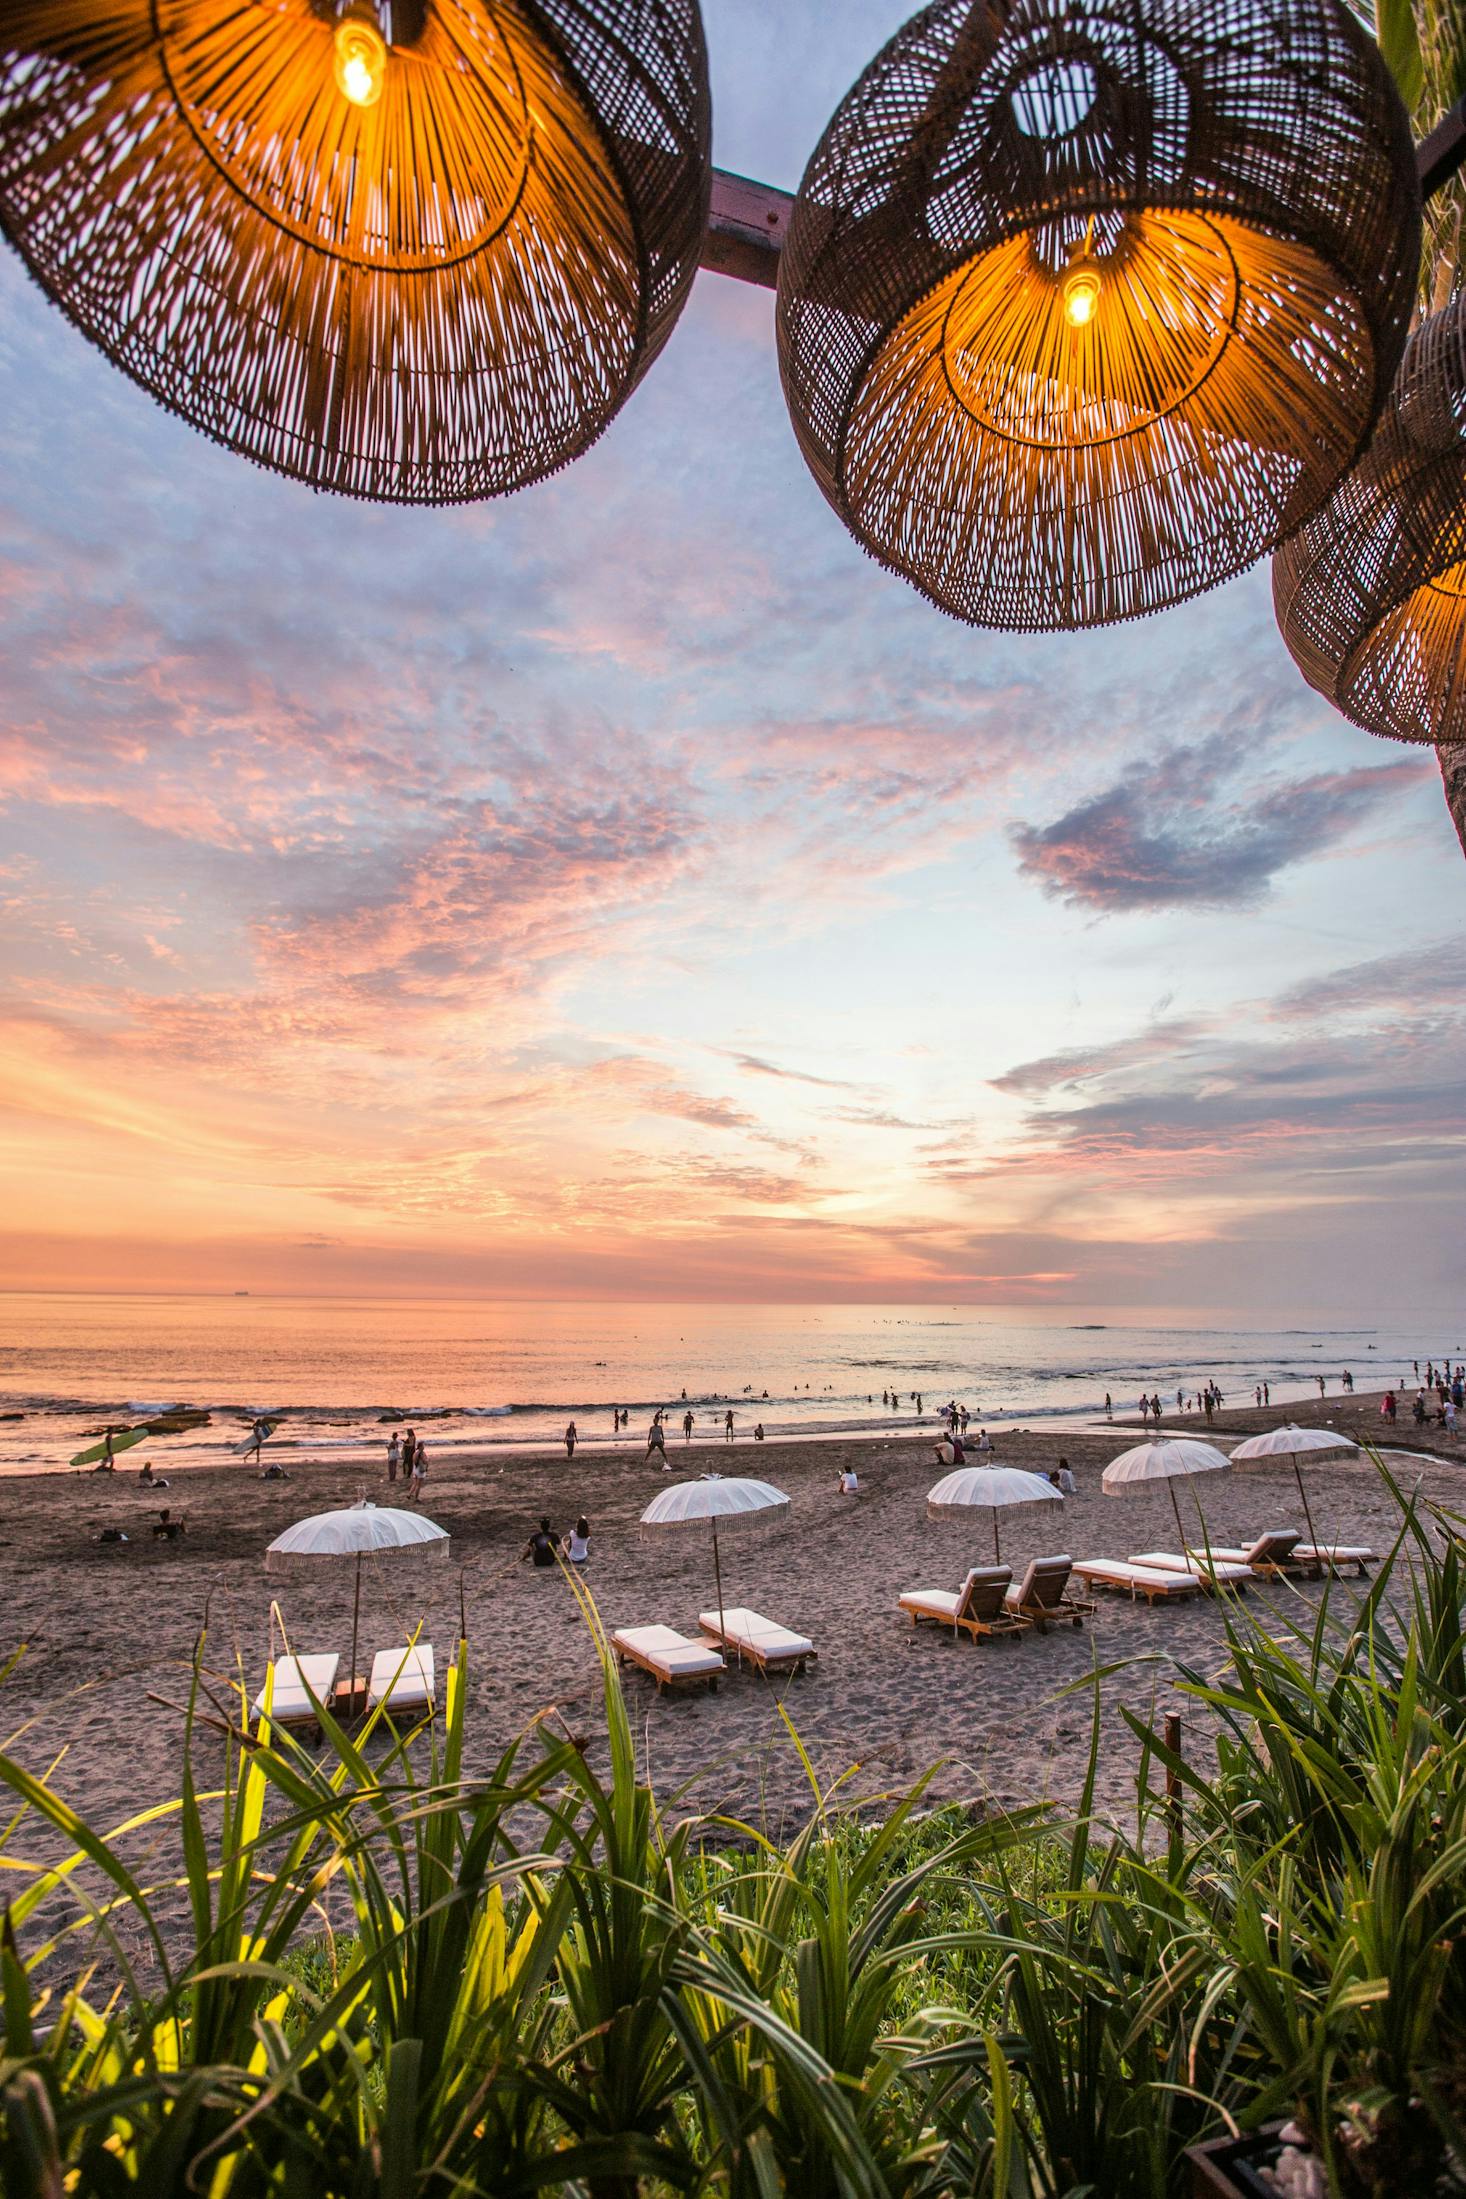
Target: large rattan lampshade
[1371,596]
[1087,303]
[443,293]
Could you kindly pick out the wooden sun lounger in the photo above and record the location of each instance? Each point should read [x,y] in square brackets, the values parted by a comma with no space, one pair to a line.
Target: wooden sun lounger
[1212,1571]
[1136,1580]
[1337,1556]
[670,1658]
[976,1608]
[291,1704]
[744,1634]
[402,1679]
[1043,1593]
[1274,1554]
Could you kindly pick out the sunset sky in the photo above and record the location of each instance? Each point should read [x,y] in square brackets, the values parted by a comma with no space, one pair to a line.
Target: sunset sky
[628,888]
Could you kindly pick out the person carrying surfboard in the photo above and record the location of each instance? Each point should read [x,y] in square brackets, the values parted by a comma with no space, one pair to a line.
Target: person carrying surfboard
[261,1431]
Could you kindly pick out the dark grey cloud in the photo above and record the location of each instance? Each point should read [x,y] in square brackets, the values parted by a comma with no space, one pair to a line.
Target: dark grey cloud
[1164,837]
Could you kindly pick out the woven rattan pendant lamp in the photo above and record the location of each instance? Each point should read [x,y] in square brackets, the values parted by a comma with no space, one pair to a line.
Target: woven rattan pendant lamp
[418,250]
[1086,304]
[1371,595]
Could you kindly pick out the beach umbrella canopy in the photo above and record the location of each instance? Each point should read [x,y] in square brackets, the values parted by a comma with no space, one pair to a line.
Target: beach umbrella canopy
[1164,1458]
[995,1487]
[360,1531]
[1290,1443]
[714,1497]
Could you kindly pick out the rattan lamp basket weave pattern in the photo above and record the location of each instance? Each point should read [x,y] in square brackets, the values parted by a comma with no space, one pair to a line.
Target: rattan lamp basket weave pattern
[1371,596]
[443,294]
[1087,303]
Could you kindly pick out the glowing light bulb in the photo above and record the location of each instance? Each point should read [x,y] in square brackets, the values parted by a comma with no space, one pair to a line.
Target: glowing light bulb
[361,61]
[1081,291]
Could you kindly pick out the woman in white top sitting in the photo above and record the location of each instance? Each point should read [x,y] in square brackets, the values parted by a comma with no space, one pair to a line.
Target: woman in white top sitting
[577,1542]
[849,1486]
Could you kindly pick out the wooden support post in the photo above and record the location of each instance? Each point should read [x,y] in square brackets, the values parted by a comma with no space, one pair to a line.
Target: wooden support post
[1173,1777]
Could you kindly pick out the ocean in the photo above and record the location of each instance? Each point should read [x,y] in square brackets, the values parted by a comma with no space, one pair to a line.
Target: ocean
[339,1373]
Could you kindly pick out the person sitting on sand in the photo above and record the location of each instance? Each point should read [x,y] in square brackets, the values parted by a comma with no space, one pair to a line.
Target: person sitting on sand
[272,1472]
[1062,1478]
[540,1549]
[984,1441]
[577,1542]
[148,1479]
[169,1528]
[849,1486]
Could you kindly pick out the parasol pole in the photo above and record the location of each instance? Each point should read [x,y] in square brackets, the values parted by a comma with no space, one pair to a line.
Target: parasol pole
[997,1553]
[718,1573]
[1175,1507]
[1298,1477]
[355,1621]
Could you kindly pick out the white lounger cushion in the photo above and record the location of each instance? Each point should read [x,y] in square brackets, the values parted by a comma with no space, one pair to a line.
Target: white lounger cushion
[406,1675]
[668,1650]
[291,1702]
[1206,1565]
[942,1603]
[1115,1573]
[759,1636]
[1337,1553]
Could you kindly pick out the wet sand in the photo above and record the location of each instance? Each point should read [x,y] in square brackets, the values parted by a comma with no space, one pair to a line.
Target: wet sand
[109,1629]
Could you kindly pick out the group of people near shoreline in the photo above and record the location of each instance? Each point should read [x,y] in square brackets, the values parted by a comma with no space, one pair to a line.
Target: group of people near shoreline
[410,1458]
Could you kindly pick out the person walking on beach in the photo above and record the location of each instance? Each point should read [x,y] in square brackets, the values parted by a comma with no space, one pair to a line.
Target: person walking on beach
[419,1473]
[409,1453]
[571,1439]
[260,1431]
[394,1452]
[1109,1406]
[1144,1408]
[687,1427]
[1319,1379]
[1267,1394]
[654,1442]
[728,1425]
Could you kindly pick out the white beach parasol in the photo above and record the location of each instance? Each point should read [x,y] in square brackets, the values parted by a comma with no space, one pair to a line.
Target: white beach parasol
[363,1530]
[714,1497]
[1162,1459]
[1288,1443]
[995,1487]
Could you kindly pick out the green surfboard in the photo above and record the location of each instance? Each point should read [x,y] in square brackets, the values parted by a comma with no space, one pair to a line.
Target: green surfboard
[122,1441]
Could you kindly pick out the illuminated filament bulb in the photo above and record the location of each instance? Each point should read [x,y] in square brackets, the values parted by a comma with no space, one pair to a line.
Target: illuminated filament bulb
[1081,291]
[361,61]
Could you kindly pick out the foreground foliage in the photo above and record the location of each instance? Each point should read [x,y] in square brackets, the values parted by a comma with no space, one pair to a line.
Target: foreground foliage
[374,1976]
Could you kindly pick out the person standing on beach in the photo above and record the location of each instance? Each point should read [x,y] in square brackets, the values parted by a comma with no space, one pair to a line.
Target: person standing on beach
[394,1449]
[1109,1406]
[1318,1378]
[728,1425]
[654,1442]
[409,1453]
[687,1427]
[1144,1408]
[572,1437]
[419,1473]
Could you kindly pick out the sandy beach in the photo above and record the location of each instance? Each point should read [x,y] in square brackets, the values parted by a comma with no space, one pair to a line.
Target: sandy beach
[108,1629]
